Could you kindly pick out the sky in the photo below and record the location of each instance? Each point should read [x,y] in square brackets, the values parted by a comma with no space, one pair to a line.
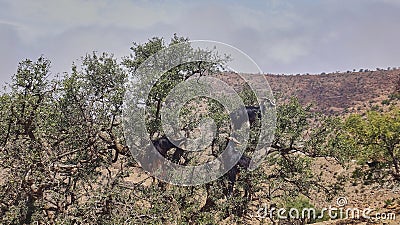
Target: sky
[281,36]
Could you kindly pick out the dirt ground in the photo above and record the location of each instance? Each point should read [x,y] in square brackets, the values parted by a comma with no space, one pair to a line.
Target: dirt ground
[381,203]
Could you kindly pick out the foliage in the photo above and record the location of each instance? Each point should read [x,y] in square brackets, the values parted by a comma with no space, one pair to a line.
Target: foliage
[377,138]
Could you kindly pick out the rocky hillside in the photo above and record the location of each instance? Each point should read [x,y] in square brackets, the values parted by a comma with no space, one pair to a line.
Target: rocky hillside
[334,93]
[337,92]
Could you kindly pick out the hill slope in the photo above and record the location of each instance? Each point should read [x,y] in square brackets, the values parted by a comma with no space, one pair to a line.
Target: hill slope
[332,93]
[335,92]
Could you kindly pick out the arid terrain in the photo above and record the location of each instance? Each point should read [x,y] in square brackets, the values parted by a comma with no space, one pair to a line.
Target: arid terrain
[338,93]
[334,93]
[342,94]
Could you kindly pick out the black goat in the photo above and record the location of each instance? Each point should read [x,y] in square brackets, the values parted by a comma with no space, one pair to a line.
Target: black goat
[244,162]
[253,113]
[163,145]
[239,116]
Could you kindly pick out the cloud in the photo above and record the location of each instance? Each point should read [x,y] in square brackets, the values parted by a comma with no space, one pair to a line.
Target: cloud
[42,18]
[281,36]
[69,46]
[10,46]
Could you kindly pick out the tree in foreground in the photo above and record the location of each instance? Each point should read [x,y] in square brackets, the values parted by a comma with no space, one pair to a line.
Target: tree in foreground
[64,158]
[376,135]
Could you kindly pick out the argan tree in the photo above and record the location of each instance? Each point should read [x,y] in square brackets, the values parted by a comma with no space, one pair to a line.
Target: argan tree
[376,135]
[64,158]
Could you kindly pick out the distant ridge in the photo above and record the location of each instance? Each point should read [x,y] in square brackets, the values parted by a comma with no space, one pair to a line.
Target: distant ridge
[333,93]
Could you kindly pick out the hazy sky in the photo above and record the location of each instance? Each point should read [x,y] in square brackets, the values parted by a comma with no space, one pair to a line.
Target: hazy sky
[297,36]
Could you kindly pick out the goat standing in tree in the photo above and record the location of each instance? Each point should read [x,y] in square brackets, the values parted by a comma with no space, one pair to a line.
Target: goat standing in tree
[244,162]
[163,145]
[253,113]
